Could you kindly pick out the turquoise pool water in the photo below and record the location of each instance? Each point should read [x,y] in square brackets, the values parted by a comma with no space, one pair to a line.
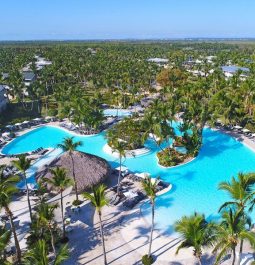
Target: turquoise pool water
[194,184]
[117,113]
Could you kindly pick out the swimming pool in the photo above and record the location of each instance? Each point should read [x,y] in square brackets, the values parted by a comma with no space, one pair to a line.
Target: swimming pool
[117,112]
[194,184]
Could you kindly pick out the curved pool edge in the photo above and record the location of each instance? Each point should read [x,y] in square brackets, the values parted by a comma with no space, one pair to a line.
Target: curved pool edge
[42,126]
[168,189]
[129,153]
[183,164]
[71,132]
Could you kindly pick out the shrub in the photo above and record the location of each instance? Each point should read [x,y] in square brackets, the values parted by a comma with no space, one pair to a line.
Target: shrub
[147,260]
[53,112]
[170,157]
[77,202]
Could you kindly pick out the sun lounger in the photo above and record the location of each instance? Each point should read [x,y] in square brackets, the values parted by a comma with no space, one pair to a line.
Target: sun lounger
[127,183]
[69,229]
[247,258]
[115,200]
[10,250]
[130,194]
[16,223]
[130,203]
[43,151]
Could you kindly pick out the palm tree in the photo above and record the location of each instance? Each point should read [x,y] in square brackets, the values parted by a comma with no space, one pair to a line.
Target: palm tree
[5,236]
[39,255]
[98,200]
[60,182]
[68,145]
[7,190]
[41,190]
[240,190]
[23,164]
[230,232]
[241,193]
[152,126]
[46,218]
[150,187]
[119,146]
[196,233]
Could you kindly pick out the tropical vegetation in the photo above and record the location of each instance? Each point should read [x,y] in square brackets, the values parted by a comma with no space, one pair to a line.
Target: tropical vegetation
[99,200]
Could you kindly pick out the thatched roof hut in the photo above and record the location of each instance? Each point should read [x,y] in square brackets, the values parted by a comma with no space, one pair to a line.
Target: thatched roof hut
[89,169]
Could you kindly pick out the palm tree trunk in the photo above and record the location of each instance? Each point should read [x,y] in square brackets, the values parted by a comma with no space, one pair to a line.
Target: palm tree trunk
[102,236]
[18,251]
[234,256]
[155,140]
[62,214]
[75,183]
[32,104]
[38,106]
[118,187]
[240,252]
[28,198]
[52,242]
[169,147]
[152,225]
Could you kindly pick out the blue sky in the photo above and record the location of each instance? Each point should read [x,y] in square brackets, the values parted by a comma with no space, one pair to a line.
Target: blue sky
[100,19]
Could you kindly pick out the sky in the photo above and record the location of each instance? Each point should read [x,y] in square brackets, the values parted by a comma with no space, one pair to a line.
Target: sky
[126,19]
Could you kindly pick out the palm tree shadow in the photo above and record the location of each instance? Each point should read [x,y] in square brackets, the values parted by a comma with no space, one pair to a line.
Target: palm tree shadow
[189,175]
[208,259]
[216,143]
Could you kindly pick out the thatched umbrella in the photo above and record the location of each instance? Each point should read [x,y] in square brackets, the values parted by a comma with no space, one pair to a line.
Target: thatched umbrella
[90,170]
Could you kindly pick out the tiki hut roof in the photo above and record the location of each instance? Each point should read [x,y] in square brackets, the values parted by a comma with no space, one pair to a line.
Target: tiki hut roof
[89,170]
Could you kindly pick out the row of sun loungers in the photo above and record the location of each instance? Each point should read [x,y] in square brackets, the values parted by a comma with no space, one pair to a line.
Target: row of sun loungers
[38,151]
[10,170]
[237,129]
[115,200]
[133,199]
[28,124]
[76,129]
[2,142]
[129,195]
[68,126]
[5,138]
[134,177]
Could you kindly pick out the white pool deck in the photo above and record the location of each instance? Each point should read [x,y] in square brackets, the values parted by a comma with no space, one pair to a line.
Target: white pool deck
[43,161]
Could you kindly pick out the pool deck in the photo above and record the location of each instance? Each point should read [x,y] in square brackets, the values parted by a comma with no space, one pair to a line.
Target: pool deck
[126,239]
[127,232]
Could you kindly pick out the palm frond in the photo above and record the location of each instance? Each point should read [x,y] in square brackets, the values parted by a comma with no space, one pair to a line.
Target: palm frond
[62,255]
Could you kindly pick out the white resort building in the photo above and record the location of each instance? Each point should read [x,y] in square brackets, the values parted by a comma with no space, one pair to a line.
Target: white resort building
[230,70]
[29,77]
